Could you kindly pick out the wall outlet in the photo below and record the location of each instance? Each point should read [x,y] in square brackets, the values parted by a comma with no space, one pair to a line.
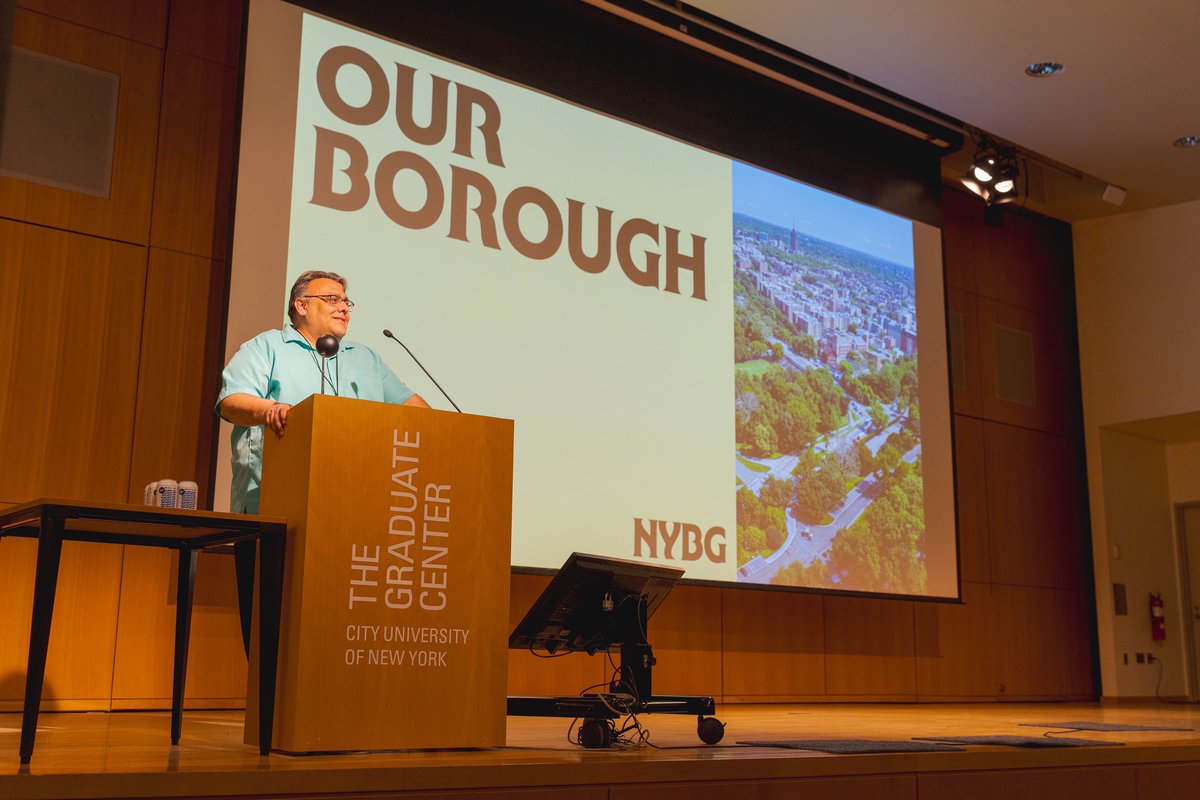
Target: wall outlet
[1141,657]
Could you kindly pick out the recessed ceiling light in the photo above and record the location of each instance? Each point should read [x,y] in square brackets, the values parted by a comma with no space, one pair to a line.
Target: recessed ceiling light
[1043,69]
[1188,141]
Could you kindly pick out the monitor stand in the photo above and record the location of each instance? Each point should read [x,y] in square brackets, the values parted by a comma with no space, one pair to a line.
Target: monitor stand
[629,693]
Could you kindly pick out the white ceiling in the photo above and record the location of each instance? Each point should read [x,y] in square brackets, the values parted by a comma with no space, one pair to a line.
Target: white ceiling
[1130,88]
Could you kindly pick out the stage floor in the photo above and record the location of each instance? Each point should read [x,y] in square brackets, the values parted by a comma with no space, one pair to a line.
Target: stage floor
[127,754]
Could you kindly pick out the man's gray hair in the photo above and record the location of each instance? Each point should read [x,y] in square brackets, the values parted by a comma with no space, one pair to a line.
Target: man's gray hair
[301,286]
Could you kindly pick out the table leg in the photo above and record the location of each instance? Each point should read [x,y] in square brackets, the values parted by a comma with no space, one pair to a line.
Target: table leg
[243,564]
[49,553]
[184,592]
[270,593]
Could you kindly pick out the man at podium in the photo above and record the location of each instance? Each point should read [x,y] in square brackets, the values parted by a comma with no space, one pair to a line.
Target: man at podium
[279,368]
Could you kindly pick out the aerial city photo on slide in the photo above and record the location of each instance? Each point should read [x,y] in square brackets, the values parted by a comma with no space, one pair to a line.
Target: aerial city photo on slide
[829,488]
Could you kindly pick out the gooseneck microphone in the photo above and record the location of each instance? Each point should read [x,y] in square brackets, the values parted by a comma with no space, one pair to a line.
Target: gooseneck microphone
[392,336]
[327,346]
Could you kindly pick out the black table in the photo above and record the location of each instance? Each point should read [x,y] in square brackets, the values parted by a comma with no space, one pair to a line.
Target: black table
[52,522]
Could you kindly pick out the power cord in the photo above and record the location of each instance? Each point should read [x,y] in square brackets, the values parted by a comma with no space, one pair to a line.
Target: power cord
[1158,683]
[631,733]
[1052,734]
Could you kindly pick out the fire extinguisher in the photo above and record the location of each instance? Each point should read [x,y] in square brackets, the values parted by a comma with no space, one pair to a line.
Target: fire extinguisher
[1158,618]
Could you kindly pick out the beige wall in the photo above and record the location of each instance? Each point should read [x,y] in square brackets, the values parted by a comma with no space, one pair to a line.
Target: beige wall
[1183,485]
[1183,471]
[1137,283]
[1138,521]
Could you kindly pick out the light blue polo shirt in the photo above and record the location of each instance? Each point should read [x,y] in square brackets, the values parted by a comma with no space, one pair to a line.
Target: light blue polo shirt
[281,365]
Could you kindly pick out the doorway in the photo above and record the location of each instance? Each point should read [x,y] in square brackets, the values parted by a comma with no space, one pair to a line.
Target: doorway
[1187,524]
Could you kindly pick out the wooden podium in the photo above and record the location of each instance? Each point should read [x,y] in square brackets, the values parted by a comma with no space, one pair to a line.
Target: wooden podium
[395,600]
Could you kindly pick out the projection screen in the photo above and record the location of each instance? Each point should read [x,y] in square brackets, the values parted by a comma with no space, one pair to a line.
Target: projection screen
[708,364]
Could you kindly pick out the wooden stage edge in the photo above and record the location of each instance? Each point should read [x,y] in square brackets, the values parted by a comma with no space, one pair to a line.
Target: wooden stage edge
[126,754]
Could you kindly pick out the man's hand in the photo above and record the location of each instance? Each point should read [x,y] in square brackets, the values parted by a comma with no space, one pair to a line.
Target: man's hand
[248,411]
[276,418]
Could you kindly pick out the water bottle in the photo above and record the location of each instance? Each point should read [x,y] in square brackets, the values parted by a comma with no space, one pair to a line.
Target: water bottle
[150,494]
[168,494]
[188,493]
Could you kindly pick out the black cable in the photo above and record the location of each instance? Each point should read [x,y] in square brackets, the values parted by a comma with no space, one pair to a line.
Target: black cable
[632,723]
[618,676]
[325,376]
[622,677]
[560,654]
[574,722]
[1158,685]
[587,689]
[1052,734]
[567,652]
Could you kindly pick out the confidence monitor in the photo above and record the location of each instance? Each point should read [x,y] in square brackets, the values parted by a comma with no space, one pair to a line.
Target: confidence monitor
[595,604]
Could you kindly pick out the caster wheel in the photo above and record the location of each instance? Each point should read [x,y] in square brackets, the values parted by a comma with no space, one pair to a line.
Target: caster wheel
[710,730]
[596,733]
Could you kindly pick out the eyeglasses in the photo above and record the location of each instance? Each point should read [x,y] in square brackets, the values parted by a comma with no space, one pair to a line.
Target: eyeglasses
[333,300]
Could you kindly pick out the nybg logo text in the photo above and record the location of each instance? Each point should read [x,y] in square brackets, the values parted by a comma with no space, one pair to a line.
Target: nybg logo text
[681,541]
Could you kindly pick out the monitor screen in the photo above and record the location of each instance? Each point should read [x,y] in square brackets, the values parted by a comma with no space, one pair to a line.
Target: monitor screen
[591,603]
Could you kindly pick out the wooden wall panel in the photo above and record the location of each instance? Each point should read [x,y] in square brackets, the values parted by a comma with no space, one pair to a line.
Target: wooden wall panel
[686,635]
[79,662]
[893,787]
[125,214]
[962,220]
[70,372]
[1168,782]
[174,411]
[774,645]
[1030,266]
[991,318]
[195,152]
[955,653]
[145,637]
[84,347]
[523,793]
[1094,783]
[1037,515]
[1055,370]
[530,675]
[1074,632]
[208,29]
[143,21]
[1025,262]
[970,463]
[966,382]
[1041,642]
[869,649]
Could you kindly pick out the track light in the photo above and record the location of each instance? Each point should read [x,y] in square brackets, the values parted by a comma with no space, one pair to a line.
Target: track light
[993,172]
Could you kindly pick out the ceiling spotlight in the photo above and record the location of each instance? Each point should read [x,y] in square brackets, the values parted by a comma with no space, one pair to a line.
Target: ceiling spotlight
[1043,69]
[993,172]
[1188,141]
